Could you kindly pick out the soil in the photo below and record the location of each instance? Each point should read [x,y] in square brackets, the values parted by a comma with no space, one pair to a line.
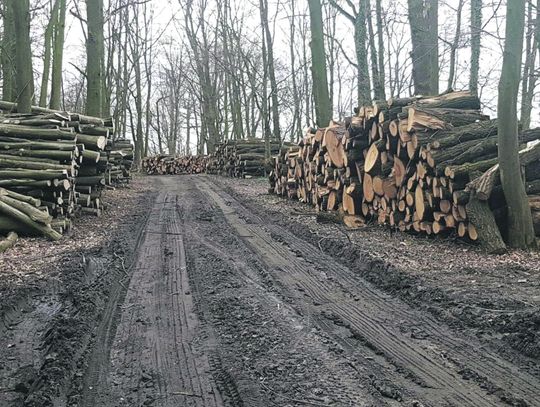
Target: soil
[205,291]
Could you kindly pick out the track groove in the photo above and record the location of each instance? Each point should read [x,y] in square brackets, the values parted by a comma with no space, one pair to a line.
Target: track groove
[378,318]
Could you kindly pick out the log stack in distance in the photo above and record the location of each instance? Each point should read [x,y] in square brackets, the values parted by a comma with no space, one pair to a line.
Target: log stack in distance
[174,165]
[242,158]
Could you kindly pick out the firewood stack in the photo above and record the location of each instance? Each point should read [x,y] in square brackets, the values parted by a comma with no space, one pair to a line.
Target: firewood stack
[120,154]
[241,158]
[53,158]
[173,165]
[408,163]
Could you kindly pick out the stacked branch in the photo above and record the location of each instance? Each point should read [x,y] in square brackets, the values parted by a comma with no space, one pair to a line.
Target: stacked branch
[61,159]
[241,158]
[407,163]
[174,165]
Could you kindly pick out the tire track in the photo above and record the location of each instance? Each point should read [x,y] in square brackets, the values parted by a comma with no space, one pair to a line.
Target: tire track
[439,360]
[154,357]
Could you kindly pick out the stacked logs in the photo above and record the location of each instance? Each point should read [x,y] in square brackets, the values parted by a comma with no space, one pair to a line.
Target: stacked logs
[58,159]
[174,165]
[120,155]
[241,158]
[24,214]
[408,163]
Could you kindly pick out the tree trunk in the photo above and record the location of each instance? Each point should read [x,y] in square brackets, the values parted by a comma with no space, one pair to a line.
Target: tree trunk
[25,74]
[476,32]
[8,53]
[520,226]
[58,56]
[94,55]
[323,107]
[423,21]
[454,48]
[360,37]
[528,84]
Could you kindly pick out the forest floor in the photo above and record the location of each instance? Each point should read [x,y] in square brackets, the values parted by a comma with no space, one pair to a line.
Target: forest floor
[205,291]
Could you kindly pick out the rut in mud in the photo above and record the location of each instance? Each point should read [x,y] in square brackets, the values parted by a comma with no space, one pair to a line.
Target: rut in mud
[222,309]
[219,305]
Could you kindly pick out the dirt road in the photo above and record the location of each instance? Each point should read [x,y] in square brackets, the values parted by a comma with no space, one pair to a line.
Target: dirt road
[222,307]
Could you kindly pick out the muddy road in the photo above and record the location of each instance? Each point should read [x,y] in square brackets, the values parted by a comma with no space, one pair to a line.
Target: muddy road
[221,306]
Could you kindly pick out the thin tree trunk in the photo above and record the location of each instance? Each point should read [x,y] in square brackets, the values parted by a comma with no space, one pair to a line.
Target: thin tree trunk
[94,55]
[378,81]
[520,226]
[58,57]
[476,32]
[380,38]
[8,55]
[25,74]
[48,39]
[528,83]
[454,47]
[323,107]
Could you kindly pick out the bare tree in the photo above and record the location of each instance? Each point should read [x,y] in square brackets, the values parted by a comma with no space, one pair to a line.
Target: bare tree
[520,226]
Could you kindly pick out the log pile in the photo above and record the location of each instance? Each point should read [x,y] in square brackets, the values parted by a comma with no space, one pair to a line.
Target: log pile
[408,163]
[60,163]
[174,165]
[241,158]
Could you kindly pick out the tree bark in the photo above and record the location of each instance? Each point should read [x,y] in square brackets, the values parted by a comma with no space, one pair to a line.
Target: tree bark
[476,33]
[520,226]
[423,21]
[58,56]
[8,53]
[320,81]
[25,74]
[94,55]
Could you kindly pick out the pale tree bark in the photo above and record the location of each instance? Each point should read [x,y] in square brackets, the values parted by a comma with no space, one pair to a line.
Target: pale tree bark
[58,57]
[297,120]
[323,108]
[528,83]
[476,33]
[454,47]
[264,90]
[276,131]
[8,55]
[423,21]
[48,45]
[380,39]
[378,80]
[520,226]
[23,56]
[359,18]
[94,58]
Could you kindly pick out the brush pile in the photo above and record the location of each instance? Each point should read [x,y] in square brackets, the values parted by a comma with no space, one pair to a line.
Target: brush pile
[55,163]
[174,165]
[242,158]
[408,163]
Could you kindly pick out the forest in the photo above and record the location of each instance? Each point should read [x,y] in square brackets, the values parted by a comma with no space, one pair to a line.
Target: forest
[187,77]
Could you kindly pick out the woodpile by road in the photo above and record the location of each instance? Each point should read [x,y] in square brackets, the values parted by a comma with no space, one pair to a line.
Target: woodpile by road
[54,165]
[423,164]
[174,165]
[242,158]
